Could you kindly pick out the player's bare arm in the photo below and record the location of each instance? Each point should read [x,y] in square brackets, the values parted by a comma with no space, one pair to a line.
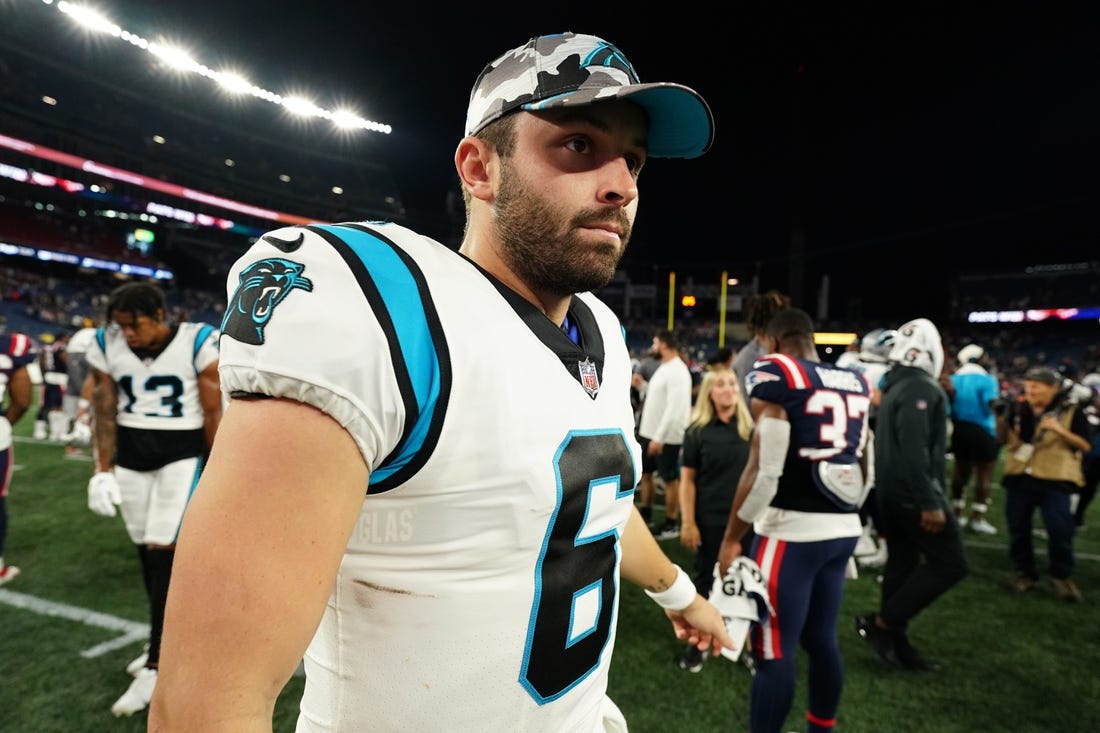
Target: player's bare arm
[210,396]
[738,525]
[695,621]
[105,404]
[262,540]
[20,391]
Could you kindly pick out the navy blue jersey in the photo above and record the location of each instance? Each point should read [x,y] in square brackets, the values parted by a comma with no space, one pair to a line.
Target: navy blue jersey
[16,351]
[827,407]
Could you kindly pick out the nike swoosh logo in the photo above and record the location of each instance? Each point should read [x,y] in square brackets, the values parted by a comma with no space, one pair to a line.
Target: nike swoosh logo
[285,245]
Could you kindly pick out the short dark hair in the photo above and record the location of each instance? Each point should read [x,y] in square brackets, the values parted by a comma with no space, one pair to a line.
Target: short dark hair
[790,323]
[501,135]
[137,298]
[722,356]
[668,338]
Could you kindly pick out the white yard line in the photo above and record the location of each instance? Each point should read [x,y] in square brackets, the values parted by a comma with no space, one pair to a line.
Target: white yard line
[131,631]
[1037,543]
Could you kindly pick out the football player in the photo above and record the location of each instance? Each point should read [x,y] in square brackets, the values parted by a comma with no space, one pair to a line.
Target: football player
[425,477]
[50,423]
[157,403]
[873,362]
[77,402]
[17,353]
[809,469]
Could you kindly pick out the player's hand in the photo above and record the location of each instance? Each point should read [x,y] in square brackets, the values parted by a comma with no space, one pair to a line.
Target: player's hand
[727,553]
[689,536]
[81,434]
[104,494]
[702,626]
[933,520]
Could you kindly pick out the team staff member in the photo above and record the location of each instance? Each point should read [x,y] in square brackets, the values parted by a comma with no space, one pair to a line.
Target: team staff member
[926,554]
[716,447]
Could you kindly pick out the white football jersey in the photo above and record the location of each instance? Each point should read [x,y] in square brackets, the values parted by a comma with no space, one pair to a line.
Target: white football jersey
[872,371]
[480,588]
[161,393]
[81,340]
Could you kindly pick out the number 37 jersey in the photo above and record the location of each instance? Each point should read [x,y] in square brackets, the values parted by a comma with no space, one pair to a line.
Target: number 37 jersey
[827,407]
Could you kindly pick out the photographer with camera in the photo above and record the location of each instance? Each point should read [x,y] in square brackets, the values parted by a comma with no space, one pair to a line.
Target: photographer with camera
[1045,439]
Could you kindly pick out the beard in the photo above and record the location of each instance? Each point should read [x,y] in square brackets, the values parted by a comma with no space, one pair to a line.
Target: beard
[541,243]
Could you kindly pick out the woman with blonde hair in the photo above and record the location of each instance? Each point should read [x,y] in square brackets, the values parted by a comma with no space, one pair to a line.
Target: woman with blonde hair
[716,447]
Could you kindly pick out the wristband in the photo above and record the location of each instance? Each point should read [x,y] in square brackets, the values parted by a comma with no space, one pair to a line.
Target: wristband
[677,596]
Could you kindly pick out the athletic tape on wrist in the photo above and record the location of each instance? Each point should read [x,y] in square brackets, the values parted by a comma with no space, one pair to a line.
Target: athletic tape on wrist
[677,596]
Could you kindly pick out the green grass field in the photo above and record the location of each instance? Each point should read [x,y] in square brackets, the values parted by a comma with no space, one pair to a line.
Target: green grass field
[1013,663]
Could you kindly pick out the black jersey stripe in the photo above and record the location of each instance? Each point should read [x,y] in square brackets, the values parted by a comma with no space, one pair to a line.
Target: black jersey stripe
[397,292]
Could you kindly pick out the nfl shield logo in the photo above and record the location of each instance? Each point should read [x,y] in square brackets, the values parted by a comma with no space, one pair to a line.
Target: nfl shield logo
[589,380]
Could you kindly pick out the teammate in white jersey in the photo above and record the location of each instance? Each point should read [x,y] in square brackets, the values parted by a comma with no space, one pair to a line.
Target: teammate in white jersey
[426,471]
[77,403]
[157,402]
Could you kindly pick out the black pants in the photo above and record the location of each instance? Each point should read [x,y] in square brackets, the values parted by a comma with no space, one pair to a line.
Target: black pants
[706,555]
[921,566]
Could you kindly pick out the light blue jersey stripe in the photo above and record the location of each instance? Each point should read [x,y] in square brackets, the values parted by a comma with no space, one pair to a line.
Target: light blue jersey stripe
[400,293]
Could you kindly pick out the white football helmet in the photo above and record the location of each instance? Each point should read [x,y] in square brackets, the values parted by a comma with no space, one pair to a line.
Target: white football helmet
[917,344]
[875,345]
[971,354]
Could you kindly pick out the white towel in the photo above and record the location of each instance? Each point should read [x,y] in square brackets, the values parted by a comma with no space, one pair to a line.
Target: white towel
[742,598]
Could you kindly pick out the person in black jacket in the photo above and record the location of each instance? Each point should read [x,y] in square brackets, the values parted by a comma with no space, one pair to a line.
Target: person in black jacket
[926,553]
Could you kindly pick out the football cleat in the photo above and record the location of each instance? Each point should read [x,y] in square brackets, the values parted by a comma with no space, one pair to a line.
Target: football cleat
[138,663]
[866,544]
[875,560]
[8,572]
[137,695]
[981,525]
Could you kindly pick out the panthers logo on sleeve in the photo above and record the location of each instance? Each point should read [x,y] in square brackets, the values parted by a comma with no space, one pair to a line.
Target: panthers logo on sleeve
[262,286]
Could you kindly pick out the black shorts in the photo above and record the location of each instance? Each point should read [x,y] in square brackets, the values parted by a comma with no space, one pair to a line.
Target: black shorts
[971,442]
[666,464]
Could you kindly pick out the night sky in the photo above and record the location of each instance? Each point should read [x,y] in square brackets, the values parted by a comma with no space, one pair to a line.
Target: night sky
[887,147]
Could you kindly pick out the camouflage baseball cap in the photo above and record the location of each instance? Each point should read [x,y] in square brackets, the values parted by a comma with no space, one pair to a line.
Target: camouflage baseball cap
[570,69]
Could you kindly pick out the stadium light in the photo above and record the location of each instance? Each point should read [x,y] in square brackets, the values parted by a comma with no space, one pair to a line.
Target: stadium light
[178,58]
[233,82]
[346,119]
[302,107]
[90,18]
[834,338]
